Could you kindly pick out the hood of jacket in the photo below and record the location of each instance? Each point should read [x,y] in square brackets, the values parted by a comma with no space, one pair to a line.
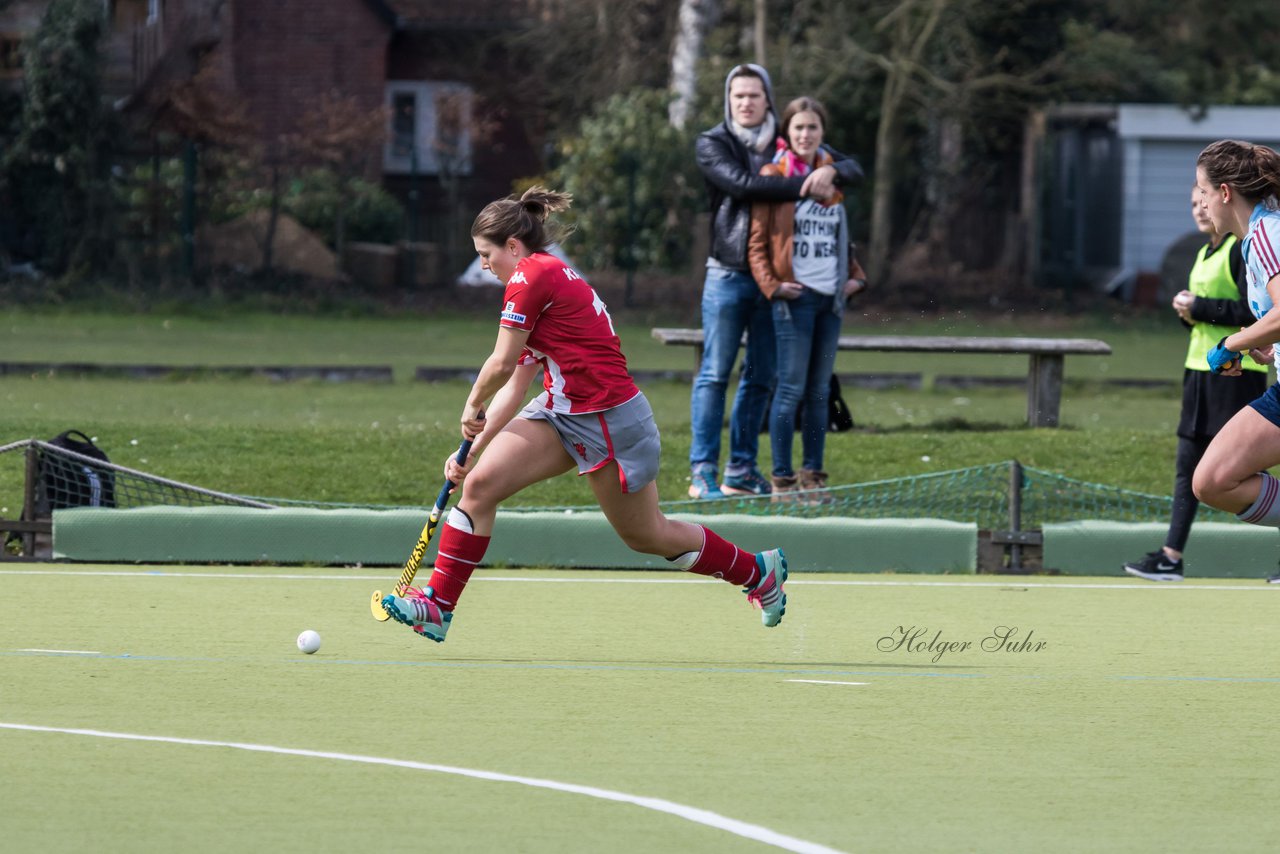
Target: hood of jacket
[768,89]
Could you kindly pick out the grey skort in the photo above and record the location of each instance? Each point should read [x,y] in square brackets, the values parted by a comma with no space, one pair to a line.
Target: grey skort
[625,434]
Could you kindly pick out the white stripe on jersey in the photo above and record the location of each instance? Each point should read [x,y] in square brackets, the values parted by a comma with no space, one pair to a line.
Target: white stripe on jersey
[1261,262]
[559,403]
[1266,254]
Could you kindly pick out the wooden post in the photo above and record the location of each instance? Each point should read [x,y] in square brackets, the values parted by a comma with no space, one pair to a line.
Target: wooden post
[1044,389]
[1015,539]
[29,500]
[1015,514]
[31,531]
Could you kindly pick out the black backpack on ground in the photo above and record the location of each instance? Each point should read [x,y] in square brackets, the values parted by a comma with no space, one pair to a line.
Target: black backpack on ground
[70,482]
[839,418]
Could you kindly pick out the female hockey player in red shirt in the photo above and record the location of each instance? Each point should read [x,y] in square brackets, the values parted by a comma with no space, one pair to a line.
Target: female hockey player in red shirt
[589,415]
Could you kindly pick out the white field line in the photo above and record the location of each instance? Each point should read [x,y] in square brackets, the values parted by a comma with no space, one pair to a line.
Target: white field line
[699,816]
[64,651]
[826,682]
[996,583]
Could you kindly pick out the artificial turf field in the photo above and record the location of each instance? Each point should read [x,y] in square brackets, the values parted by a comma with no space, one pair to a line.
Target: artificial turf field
[595,711]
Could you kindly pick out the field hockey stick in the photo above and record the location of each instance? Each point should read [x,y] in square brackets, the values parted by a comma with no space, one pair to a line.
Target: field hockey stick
[424,539]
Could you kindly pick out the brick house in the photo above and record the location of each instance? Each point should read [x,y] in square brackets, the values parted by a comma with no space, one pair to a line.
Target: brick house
[412,57]
[416,58]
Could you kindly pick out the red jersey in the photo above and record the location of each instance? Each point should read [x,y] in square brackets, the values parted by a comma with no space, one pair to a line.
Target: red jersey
[570,333]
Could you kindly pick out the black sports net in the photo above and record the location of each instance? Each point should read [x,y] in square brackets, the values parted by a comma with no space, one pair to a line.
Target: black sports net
[979,494]
[64,478]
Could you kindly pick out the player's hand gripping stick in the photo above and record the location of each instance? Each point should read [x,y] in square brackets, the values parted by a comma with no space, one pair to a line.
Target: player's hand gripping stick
[424,539]
[1221,359]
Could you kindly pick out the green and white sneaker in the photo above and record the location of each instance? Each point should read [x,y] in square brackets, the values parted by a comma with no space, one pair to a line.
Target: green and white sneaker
[768,595]
[749,482]
[418,610]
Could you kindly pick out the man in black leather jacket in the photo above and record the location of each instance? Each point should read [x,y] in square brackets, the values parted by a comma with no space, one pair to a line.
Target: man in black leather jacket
[730,156]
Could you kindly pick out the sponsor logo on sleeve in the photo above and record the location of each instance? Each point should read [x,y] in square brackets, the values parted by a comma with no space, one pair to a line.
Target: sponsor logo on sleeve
[510,313]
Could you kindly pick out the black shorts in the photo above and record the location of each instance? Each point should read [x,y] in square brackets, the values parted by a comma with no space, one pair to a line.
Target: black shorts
[1268,405]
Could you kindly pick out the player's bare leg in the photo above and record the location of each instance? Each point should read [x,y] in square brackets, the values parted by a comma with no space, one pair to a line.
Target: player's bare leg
[524,453]
[1232,474]
[642,526]
[637,519]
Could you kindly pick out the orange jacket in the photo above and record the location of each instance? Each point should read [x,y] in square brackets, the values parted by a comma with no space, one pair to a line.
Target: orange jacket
[770,245]
[770,241]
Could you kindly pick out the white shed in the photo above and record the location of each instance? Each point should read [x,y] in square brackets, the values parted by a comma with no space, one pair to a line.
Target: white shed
[1160,144]
[1113,191]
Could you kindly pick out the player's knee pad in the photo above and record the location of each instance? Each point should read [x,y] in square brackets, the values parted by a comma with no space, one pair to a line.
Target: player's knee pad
[684,561]
[460,520]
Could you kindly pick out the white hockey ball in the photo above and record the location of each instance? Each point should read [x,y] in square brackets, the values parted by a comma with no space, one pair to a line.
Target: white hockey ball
[308,641]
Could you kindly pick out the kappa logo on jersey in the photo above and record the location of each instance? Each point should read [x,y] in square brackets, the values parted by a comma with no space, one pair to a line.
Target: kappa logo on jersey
[517,278]
[510,313]
[571,274]
[581,449]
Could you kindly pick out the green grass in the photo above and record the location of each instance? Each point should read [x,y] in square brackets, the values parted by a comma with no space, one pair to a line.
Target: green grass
[443,339]
[1145,346]
[1141,726]
[384,443]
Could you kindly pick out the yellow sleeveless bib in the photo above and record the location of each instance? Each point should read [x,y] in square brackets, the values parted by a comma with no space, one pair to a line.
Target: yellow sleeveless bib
[1211,278]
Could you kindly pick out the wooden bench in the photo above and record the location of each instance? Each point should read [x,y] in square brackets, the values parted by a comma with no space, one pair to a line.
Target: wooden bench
[1044,374]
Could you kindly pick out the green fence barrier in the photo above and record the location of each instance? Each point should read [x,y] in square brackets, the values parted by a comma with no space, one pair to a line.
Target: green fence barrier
[539,538]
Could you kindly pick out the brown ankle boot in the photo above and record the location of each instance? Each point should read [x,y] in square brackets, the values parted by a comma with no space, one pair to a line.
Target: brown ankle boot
[786,490]
[813,479]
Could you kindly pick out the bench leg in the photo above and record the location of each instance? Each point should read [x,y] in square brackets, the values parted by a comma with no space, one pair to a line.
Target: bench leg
[1044,390]
[697,359]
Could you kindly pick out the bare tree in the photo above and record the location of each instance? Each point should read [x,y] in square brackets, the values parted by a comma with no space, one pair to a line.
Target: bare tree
[910,27]
[592,49]
[932,66]
[201,111]
[342,134]
[697,17]
[760,30]
[948,85]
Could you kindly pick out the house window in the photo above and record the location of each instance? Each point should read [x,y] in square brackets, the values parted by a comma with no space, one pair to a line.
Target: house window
[153,10]
[430,128]
[10,56]
[404,123]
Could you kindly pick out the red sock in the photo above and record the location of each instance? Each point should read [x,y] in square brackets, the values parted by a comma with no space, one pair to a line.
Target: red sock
[459,553]
[722,559]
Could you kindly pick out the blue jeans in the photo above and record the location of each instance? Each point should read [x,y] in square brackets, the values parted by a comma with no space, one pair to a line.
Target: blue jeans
[732,304]
[807,331]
